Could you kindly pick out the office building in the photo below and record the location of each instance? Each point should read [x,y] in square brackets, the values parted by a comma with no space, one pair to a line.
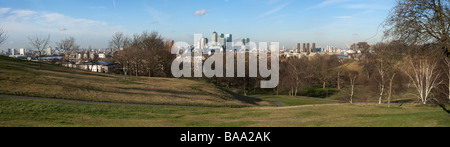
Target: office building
[203,43]
[304,47]
[245,41]
[314,47]
[49,51]
[22,52]
[221,40]
[229,37]
[214,37]
[308,49]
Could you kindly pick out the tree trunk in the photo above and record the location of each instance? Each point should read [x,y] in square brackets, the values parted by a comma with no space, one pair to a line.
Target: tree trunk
[324,85]
[338,81]
[40,60]
[390,90]
[381,93]
[351,95]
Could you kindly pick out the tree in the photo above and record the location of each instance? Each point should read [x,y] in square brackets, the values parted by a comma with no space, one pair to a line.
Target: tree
[353,77]
[3,36]
[387,56]
[420,21]
[145,54]
[39,43]
[447,71]
[119,41]
[68,45]
[424,75]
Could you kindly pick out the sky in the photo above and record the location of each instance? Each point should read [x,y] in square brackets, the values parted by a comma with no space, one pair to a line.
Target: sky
[93,22]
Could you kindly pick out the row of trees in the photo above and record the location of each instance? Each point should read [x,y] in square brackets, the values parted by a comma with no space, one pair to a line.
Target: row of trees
[145,54]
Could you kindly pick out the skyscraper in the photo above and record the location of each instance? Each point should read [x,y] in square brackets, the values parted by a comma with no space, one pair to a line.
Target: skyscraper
[245,41]
[308,48]
[304,47]
[203,43]
[229,37]
[22,51]
[214,37]
[221,40]
[298,48]
[314,47]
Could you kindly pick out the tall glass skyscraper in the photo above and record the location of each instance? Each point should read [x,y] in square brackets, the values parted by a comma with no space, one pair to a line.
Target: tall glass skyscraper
[214,37]
[229,37]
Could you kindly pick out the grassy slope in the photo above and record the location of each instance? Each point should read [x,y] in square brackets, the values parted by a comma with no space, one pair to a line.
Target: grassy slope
[295,101]
[19,77]
[43,113]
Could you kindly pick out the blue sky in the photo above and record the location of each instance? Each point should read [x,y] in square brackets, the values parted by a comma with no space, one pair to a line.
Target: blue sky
[92,22]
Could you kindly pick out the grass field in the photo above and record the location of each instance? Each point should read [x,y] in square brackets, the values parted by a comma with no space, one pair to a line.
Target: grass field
[295,101]
[224,109]
[24,78]
[16,112]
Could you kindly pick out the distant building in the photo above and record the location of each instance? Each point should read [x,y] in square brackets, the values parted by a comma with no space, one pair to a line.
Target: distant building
[245,41]
[308,49]
[102,55]
[22,52]
[229,37]
[49,51]
[314,47]
[203,43]
[214,37]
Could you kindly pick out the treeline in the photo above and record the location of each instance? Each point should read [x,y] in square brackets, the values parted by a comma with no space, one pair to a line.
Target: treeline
[145,54]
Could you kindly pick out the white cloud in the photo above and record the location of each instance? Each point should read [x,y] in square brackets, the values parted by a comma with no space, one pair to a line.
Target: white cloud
[201,12]
[276,9]
[344,17]
[21,14]
[330,2]
[23,23]
[4,10]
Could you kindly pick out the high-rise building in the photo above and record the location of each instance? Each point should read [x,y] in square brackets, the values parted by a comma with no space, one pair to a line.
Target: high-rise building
[304,47]
[229,37]
[308,48]
[49,50]
[245,41]
[298,48]
[214,37]
[203,43]
[22,52]
[221,40]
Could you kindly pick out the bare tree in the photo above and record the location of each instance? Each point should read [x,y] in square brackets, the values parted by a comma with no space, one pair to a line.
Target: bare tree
[119,41]
[424,75]
[447,65]
[387,56]
[3,36]
[353,77]
[68,45]
[39,43]
[420,21]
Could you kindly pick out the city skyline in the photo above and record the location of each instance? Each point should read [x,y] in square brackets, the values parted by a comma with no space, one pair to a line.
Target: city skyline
[92,23]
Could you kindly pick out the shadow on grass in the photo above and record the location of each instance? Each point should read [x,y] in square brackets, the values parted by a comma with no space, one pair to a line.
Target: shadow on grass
[244,99]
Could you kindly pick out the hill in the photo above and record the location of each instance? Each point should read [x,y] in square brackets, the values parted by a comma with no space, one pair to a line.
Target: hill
[24,78]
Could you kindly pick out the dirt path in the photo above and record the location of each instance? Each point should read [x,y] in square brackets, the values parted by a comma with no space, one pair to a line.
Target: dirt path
[278,104]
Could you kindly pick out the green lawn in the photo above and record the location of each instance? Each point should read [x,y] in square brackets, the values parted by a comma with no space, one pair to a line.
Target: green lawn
[18,77]
[49,113]
[297,100]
